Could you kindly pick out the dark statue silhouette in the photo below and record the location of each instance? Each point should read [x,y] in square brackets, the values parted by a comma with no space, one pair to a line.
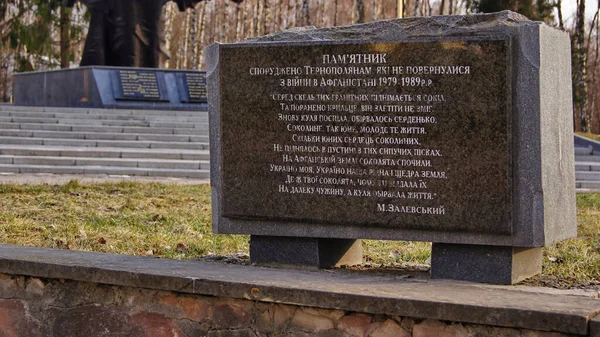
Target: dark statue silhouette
[126,33]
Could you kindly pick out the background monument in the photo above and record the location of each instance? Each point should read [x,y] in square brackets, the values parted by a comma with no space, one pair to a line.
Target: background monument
[455,130]
[126,33]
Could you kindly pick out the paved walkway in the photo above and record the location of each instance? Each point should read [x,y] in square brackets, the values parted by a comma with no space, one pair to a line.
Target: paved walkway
[56,179]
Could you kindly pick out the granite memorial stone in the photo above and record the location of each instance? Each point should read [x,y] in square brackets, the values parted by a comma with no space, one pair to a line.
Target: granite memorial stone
[453,129]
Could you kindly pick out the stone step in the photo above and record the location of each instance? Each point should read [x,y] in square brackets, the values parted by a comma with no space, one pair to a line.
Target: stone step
[585,166]
[587,158]
[103,143]
[582,151]
[123,112]
[56,115]
[104,128]
[104,122]
[103,152]
[587,175]
[586,184]
[129,171]
[111,162]
[103,136]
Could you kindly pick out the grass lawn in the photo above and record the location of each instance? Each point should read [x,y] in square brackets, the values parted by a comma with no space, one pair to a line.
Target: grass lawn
[174,221]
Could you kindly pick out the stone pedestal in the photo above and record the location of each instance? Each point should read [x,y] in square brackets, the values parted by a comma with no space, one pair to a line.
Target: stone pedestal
[308,252]
[486,264]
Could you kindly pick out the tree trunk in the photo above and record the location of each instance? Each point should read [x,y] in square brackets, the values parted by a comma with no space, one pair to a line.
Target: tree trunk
[359,11]
[305,13]
[202,33]
[260,18]
[65,36]
[335,12]
[239,17]
[400,8]
[193,39]
[319,16]
[561,22]
[579,55]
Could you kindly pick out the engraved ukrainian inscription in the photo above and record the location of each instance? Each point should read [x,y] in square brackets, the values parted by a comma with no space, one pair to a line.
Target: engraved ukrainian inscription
[139,85]
[196,87]
[408,135]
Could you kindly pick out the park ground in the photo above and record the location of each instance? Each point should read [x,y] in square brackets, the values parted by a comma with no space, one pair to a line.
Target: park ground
[169,220]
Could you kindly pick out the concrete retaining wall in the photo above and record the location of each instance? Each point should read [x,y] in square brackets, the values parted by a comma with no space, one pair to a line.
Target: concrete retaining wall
[56,293]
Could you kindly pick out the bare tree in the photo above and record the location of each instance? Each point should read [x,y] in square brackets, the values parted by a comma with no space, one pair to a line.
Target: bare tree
[305,13]
[582,117]
[335,12]
[561,22]
[417,6]
[193,38]
[239,22]
[201,36]
[359,11]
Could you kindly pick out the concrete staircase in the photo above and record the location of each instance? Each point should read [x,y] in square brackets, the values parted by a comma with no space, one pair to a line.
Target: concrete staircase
[146,143]
[587,163]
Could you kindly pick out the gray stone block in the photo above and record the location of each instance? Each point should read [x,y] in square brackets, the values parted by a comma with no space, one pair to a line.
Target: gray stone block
[199,155]
[8,168]
[34,120]
[163,124]
[133,171]
[105,162]
[50,169]
[172,155]
[485,264]
[22,150]
[587,158]
[44,161]
[21,141]
[123,144]
[195,174]
[587,176]
[146,130]
[68,142]
[109,136]
[16,133]
[190,131]
[582,167]
[588,184]
[47,127]
[311,252]
[91,152]
[5,159]
[163,138]
[97,128]
[595,326]
[9,126]
[58,134]
[124,123]
[502,136]
[539,208]
[176,145]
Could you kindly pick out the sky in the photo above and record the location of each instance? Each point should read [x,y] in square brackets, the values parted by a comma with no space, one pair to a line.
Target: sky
[569,8]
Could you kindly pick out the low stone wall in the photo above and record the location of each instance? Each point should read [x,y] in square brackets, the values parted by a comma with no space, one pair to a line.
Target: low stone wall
[49,307]
[54,293]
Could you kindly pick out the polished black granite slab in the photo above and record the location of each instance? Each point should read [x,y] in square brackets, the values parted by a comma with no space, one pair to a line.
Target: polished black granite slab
[112,87]
[419,139]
